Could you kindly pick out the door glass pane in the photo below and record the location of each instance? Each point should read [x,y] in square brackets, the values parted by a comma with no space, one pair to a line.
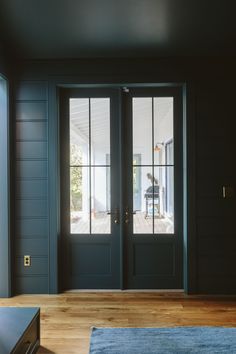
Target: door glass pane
[79,131]
[100,197]
[164,204]
[79,200]
[90,196]
[142,200]
[100,130]
[163,128]
[142,128]
[153,145]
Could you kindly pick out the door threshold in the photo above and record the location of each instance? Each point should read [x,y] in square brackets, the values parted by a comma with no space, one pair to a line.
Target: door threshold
[125,291]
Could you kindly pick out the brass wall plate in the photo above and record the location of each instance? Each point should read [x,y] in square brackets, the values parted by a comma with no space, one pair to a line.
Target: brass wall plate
[227,191]
[27,261]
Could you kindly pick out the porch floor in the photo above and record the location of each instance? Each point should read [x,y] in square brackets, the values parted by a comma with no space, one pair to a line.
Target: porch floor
[100,224]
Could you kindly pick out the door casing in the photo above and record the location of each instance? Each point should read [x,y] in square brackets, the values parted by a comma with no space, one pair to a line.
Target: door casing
[123,275]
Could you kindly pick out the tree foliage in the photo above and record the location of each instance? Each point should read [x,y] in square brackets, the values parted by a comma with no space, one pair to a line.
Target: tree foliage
[76,178]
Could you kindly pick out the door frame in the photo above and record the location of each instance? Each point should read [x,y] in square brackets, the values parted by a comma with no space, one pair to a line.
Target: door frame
[189,177]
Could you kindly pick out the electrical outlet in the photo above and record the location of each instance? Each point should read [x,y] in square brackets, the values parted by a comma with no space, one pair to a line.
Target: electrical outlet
[27,261]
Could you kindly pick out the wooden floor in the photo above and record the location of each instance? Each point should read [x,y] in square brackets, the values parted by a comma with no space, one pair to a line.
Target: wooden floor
[66,319]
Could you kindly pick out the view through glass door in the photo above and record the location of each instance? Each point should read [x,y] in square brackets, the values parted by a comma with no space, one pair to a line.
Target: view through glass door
[121,185]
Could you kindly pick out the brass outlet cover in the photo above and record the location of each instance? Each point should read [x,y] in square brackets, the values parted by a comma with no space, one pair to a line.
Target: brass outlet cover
[27,261]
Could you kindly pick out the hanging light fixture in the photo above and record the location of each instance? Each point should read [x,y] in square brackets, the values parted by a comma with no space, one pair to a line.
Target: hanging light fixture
[158,147]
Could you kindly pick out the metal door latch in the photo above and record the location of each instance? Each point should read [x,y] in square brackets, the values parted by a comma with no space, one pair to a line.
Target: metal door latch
[116,215]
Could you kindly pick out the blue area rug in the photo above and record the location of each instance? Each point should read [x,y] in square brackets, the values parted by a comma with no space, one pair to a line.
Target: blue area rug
[178,340]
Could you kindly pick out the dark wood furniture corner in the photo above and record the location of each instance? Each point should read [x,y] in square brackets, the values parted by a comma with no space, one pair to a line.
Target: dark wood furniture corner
[19,330]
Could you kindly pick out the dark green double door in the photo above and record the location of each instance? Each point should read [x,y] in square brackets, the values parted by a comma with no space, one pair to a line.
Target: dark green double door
[121,188]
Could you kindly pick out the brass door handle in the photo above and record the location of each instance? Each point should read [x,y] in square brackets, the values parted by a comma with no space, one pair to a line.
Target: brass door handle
[127,213]
[116,215]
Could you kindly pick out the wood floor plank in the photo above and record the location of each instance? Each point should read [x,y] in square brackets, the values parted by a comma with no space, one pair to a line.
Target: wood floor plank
[66,319]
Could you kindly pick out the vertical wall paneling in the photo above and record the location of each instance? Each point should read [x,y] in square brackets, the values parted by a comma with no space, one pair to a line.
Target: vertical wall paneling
[31,189]
[5,269]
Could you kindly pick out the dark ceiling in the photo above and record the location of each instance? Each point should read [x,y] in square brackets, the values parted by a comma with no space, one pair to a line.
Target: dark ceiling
[44,29]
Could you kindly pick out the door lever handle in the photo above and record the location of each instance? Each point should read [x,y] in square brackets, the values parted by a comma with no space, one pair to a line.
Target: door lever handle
[127,213]
[116,215]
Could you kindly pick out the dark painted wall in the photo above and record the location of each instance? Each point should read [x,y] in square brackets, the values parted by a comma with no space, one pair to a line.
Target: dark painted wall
[212,233]
[3,64]
[31,178]
[216,144]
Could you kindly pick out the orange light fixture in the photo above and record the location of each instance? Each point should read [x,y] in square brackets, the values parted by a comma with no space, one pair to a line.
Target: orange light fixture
[158,147]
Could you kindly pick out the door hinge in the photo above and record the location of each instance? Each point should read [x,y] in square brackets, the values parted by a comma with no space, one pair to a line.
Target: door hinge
[125,89]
